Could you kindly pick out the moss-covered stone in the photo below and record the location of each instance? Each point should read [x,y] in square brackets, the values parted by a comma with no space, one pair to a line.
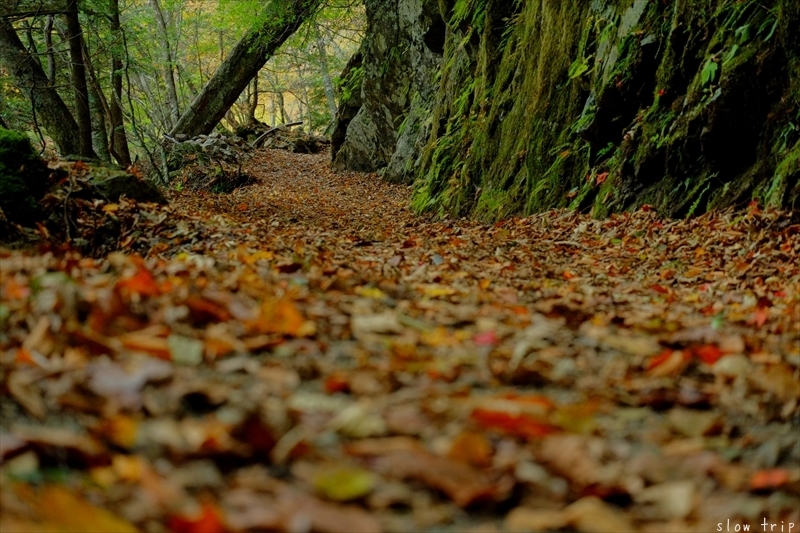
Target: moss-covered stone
[23,178]
[681,105]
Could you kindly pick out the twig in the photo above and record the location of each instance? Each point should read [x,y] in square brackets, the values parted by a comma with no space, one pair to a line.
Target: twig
[36,124]
[66,215]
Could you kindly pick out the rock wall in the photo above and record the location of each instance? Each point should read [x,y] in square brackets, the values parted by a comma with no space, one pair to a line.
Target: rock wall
[608,105]
[600,105]
[386,86]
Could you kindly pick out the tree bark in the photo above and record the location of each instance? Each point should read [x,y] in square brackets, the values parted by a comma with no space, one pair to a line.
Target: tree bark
[281,20]
[48,42]
[327,81]
[119,140]
[168,67]
[29,76]
[98,105]
[83,114]
[253,103]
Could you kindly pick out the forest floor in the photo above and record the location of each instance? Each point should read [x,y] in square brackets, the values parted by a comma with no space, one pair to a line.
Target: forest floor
[306,354]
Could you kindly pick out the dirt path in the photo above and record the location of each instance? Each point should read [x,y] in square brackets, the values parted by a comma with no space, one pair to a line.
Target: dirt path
[304,354]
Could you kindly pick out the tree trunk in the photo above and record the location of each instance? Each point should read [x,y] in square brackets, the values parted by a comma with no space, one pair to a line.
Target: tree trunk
[48,105]
[253,103]
[169,71]
[282,108]
[119,140]
[281,20]
[98,105]
[83,114]
[327,81]
[48,42]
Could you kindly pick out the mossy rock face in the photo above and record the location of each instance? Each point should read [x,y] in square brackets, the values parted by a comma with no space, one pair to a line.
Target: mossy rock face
[23,178]
[611,104]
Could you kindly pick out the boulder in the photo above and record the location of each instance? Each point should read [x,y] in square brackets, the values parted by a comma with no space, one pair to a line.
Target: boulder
[112,184]
[23,178]
[395,66]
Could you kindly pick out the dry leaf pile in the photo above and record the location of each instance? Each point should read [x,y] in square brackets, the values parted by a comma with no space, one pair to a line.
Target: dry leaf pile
[304,354]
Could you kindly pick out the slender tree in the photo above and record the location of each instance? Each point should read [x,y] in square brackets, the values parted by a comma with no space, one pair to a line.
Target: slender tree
[168,62]
[79,86]
[280,20]
[119,140]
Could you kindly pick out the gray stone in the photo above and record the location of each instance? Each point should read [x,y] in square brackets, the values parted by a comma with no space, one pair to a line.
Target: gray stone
[399,56]
[112,185]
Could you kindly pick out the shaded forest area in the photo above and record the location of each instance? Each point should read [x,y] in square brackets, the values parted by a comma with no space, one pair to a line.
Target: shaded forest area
[336,266]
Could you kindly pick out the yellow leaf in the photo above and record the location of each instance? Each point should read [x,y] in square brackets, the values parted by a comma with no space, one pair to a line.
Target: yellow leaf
[111,208]
[344,483]
[120,430]
[69,513]
[437,291]
[371,292]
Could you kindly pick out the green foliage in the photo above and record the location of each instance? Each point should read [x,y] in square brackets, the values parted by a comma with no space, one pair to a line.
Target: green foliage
[350,84]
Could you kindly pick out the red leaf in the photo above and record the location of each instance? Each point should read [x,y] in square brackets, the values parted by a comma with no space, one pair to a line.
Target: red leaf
[487,338]
[336,383]
[659,289]
[601,178]
[708,353]
[209,521]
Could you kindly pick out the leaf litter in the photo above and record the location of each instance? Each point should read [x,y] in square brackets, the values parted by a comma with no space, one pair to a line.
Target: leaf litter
[305,354]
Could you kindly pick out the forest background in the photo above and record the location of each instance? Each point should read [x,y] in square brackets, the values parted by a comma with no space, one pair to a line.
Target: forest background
[148,60]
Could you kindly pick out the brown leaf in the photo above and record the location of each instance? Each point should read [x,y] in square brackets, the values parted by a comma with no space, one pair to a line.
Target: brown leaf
[462,483]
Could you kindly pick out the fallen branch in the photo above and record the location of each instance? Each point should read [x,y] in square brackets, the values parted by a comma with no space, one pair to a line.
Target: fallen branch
[261,137]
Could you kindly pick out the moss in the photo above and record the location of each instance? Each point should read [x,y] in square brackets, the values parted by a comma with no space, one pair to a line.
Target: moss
[682,103]
[23,178]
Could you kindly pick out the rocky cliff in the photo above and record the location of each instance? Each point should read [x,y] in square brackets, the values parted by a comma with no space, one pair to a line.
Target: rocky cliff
[388,88]
[601,105]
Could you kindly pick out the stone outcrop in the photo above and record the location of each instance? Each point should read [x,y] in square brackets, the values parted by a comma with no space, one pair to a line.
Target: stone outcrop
[382,119]
[600,106]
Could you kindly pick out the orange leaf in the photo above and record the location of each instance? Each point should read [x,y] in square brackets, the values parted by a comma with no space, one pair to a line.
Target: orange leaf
[660,359]
[145,343]
[769,479]
[659,289]
[15,291]
[140,283]
[760,316]
[121,430]
[602,178]
[24,356]
[514,424]
[568,275]
[59,507]
[280,317]
[472,448]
